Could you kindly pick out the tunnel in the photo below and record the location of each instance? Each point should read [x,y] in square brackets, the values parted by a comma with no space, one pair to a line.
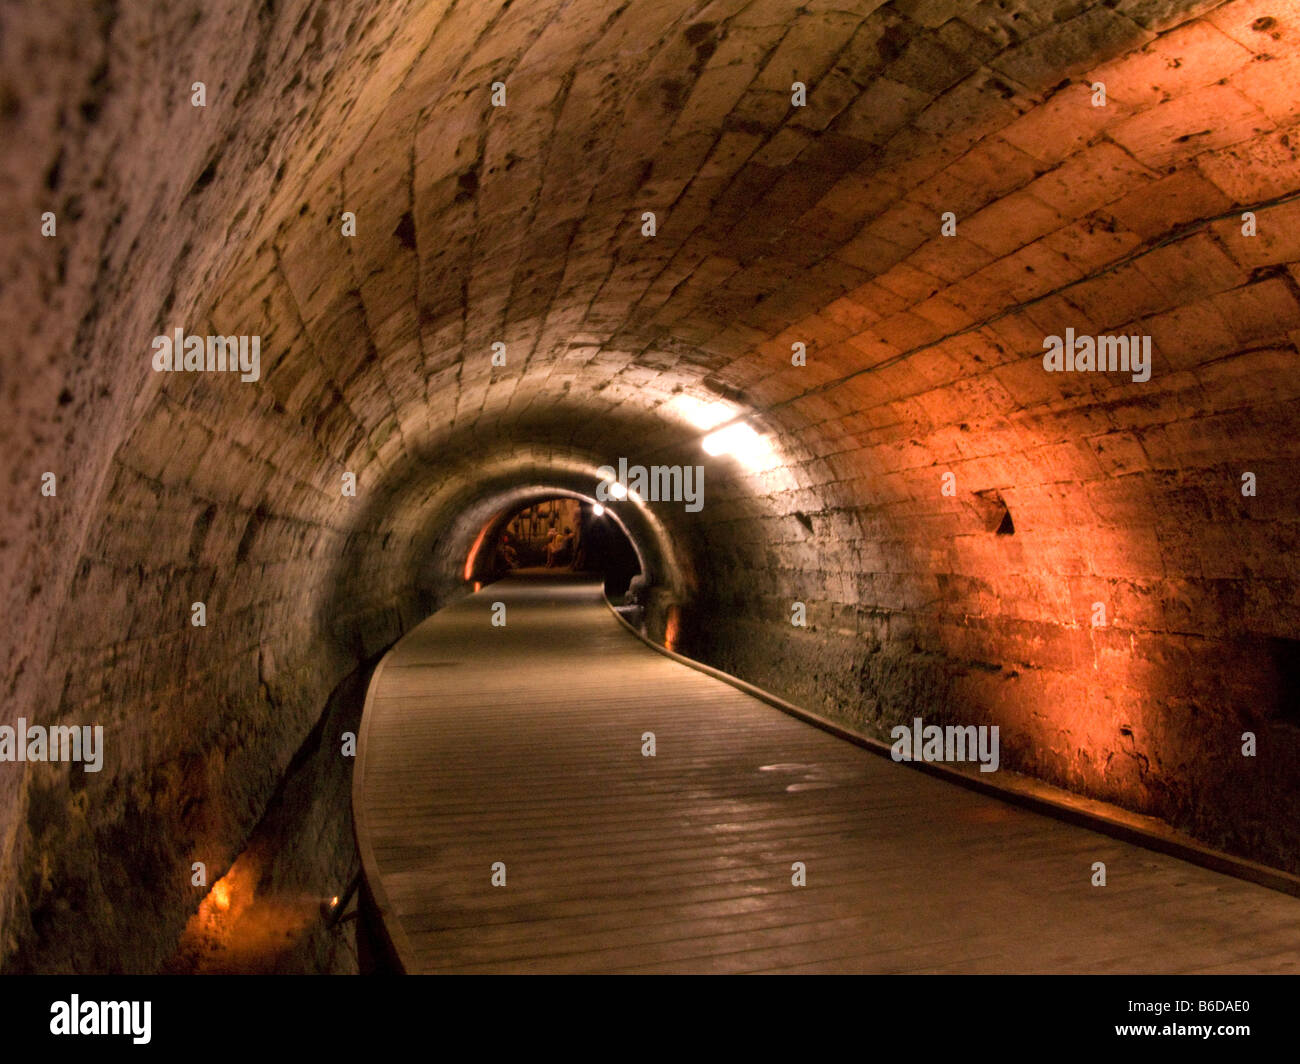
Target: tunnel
[931,364]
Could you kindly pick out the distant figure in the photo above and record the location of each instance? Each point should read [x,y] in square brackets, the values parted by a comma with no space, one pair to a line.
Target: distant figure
[557,545]
[508,553]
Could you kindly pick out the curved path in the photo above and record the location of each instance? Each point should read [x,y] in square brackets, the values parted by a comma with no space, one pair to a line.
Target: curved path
[522,745]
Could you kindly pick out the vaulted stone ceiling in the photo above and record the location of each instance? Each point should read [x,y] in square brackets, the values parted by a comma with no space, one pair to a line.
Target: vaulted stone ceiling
[523,225]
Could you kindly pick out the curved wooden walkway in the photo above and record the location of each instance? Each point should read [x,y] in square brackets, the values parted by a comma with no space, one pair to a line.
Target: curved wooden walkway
[523,745]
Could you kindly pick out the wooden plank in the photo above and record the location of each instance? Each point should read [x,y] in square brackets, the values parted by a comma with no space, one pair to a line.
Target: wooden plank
[522,744]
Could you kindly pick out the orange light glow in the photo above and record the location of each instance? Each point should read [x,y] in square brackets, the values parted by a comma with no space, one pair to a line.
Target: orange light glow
[672,628]
[473,552]
[236,930]
[221,895]
[231,894]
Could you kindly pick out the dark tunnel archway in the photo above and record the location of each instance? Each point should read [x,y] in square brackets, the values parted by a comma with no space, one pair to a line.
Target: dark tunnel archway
[596,541]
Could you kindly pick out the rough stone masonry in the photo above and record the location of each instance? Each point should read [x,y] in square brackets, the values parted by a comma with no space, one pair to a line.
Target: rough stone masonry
[522,225]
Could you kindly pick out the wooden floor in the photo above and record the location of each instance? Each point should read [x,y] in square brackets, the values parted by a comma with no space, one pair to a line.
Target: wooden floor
[522,744]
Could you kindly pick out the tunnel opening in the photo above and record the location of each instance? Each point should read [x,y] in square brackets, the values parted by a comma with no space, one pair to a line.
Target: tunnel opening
[562,533]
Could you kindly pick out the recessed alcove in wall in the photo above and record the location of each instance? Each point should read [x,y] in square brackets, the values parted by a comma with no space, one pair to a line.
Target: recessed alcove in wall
[994,512]
[1284,655]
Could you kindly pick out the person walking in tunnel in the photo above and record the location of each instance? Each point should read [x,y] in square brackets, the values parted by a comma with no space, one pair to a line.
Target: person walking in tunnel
[506,552]
[557,545]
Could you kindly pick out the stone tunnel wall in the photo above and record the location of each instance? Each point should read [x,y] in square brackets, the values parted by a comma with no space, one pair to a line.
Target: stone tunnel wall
[522,225]
[167,492]
[1124,496]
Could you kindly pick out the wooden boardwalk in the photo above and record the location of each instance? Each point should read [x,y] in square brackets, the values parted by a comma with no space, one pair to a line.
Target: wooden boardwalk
[522,744]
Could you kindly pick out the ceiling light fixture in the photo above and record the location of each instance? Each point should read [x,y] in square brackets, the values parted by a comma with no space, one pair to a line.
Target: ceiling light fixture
[740,441]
